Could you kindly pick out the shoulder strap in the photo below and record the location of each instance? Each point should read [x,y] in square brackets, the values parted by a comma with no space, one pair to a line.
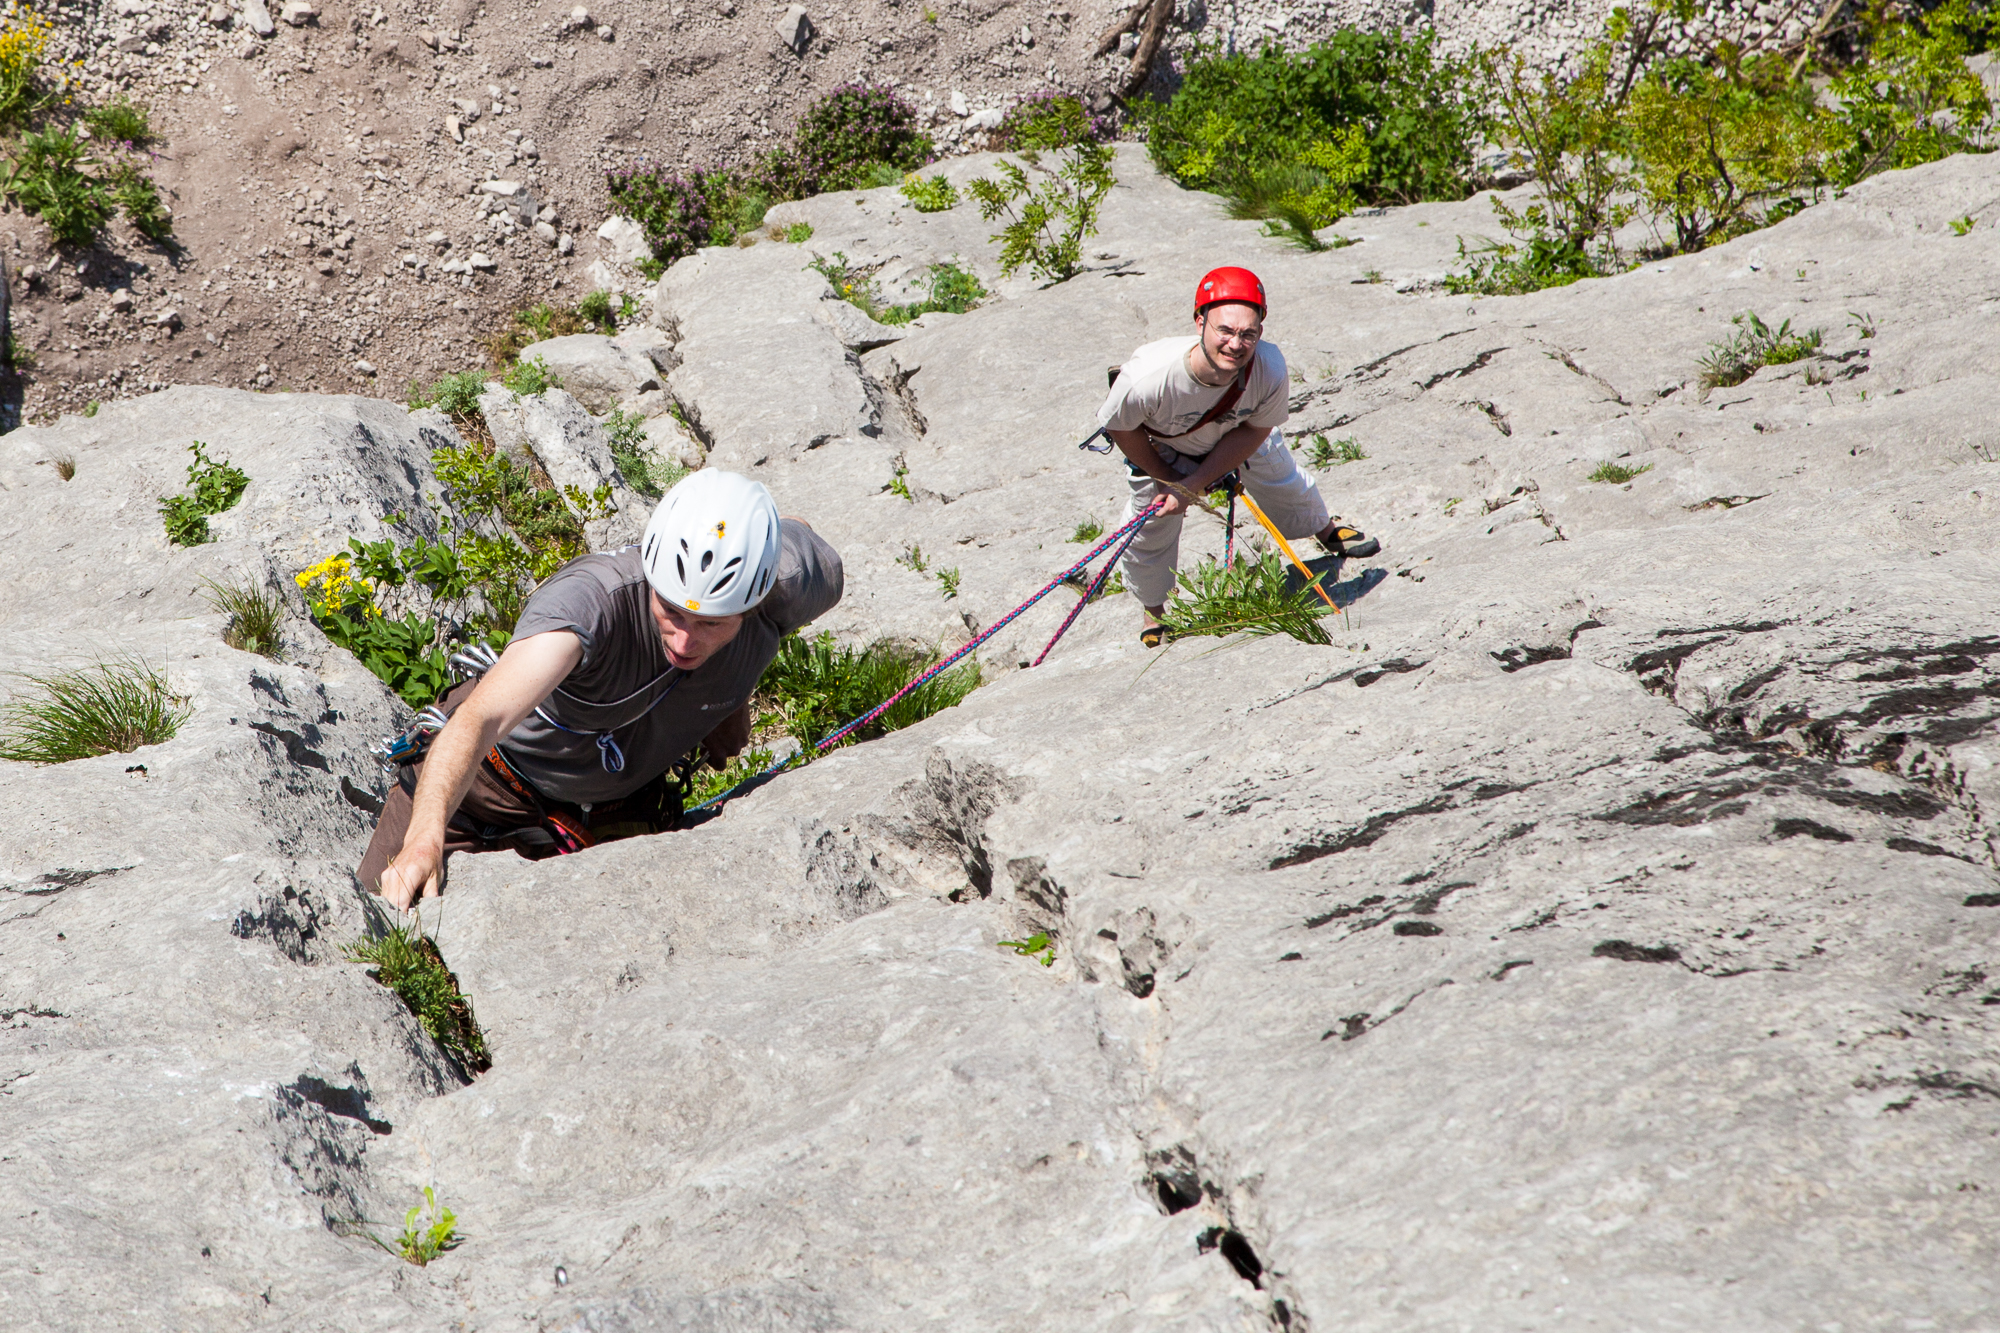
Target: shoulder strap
[1222,405]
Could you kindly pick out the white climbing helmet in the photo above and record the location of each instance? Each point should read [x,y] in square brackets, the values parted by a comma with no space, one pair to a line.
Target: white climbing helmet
[711,547]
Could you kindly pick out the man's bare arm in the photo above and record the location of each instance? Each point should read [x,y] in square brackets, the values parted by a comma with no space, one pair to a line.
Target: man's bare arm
[525,675]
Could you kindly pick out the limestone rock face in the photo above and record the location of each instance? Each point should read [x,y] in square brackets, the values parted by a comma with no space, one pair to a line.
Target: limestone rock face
[1604,923]
[555,431]
[600,373]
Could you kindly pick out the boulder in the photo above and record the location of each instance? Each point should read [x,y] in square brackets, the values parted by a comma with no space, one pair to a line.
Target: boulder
[596,369]
[624,241]
[258,18]
[557,432]
[795,29]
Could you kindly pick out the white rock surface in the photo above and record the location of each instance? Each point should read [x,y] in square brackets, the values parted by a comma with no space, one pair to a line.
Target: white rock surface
[624,240]
[556,431]
[596,369]
[1588,938]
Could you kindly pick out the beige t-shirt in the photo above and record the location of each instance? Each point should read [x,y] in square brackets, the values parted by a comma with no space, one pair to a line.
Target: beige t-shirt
[1155,391]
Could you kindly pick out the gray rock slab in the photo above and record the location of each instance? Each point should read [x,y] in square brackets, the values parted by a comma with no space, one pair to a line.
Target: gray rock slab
[599,372]
[558,434]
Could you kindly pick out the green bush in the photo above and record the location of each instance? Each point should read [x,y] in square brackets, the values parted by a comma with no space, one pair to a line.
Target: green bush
[1238,116]
[217,486]
[814,686]
[1326,453]
[121,122]
[1753,346]
[408,963]
[626,434]
[139,199]
[110,708]
[1250,597]
[932,195]
[1048,120]
[1910,99]
[47,178]
[949,288]
[456,395]
[1045,226]
[596,309]
[530,377]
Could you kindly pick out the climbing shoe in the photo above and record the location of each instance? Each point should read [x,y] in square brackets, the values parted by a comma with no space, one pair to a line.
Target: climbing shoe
[1153,635]
[1343,542]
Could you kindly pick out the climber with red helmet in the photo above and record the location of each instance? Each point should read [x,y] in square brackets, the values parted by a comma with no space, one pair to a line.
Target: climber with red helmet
[1188,411]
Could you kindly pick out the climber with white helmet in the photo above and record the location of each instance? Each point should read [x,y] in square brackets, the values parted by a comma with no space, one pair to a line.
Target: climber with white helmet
[1187,412]
[621,663]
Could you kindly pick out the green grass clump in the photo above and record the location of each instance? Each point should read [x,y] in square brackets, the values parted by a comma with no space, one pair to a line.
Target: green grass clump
[408,963]
[1252,597]
[815,685]
[596,309]
[949,288]
[1332,453]
[217,486]
[427,1231]
[626,433]
[709,783]
[109,708]
[255,616]
[120,122]
[1087,532]
[1754,345]
[930,195]
[1616,473]
[456,395]
[530,377]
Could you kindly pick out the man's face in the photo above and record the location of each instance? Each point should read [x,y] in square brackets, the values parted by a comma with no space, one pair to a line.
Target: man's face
[1229,334]
[690,639]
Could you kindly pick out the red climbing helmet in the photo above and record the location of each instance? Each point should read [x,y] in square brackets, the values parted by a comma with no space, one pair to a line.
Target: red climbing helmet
[1238,285]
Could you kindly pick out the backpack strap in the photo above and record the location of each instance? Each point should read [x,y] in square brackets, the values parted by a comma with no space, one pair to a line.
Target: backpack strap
[1222,405]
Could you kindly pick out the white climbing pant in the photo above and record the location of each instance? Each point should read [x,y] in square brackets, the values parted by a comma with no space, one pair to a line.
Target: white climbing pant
[1288,497]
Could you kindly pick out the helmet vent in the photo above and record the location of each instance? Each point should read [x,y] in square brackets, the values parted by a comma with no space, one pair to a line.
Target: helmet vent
[707,559]
[728,577]
[680,569]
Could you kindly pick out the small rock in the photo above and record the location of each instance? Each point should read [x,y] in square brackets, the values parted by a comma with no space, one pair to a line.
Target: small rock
[454,266]
[343,240]
[545,233]
[127,8]
[438,241]
[364,367]
[410,261]
[988,119]
[168,319]
[795,29]
[958,104]
[326,268]
[480,261]
[468,109]
[549,215]
[604,32]
[428,38]
[578,18]
[541,57]
[566,245]
[132,41]
[1128,43]
[624,240]
[500,189]
[220,15]
[528,149]
[247,48]
[454,129]
[120,299]
[298,13]
[258,18]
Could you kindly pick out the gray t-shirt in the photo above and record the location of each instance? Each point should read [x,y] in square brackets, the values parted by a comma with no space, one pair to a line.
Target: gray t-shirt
[653,711]
[1155,391]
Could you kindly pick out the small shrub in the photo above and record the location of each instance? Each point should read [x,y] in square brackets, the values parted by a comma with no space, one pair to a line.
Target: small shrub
[428,1231]
[948,583]
[852,285]
[1909,98]
[951,290]
[408,962]
[1617,474]
[22,46]
[709,783]
[799,233]
[109,708]
[913,559]
[456,395]
[1754,346]
[403,653]
[530,377]
[596,309]
[1087,532]
[626,434]
[1500,268]
[48,180]
[255,615]
[933,195]
[899,484]
[1044,227]
[1863,325]
[1325,453]
[1048,120]
[121,122]
[814,686]
[844,139]
[1037,946]
[1251,597]
[139,198]
[216,487]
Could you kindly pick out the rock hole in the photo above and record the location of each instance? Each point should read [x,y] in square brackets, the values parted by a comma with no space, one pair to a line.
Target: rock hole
[1174,1180]
[1628,952]
[1236,1250]
[1418,928]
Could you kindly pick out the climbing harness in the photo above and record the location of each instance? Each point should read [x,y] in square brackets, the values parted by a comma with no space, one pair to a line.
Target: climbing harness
[1122,538]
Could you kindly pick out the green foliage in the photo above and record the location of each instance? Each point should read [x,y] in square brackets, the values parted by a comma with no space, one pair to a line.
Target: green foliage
[846,138]
[48,178]
[1910,99]
[1616,473]
[109,708]
[798,233]
[1252,597]
[408,962]
[216,487]
[933,195]
[1961,225]
[1500,268]
[428,1231]
[530,377]
[913,559]
[1037,946]
[1239,118]
[948,582]
[1862,324]
[139,199]
[530,325]
[22,45]
[255,615]
[950,288]
[1753,346]
[814,686]
[120,122]
[1045,226]
[709,783]
[1047,121]
[1087,532]
[456,395]
[596,309]
[899,484]
[626,434]
[1325,453]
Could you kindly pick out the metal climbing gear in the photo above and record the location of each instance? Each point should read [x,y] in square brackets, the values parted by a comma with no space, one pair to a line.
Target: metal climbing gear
[393,752]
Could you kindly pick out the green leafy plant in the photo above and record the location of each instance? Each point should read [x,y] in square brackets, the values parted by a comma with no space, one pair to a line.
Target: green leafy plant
[899,484]
[428,1231]
[709,783]
[1501,268]
[815,685]
[799,233]
[1037,946]
[625,432]
[1087,532]
[407,961]
[1251,597]
[255,615]
[1863,325]
[950,288]
[913,559]
[1909,98]
[48,179]
[139,199]
[1754,345]
[530,377]
[933,195]
[852,285]
[948,582]
[109,708]
[1045,121]
[595,308]
[1332,453]
[1961,225]
[1617,474]
[215,488]
[120,122]
[456,395]
[1044,226]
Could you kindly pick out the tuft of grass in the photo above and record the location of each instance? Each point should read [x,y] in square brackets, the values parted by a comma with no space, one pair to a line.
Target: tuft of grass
[456,395]
[709,783]
[596,309]
[109,708]
[1754,345]
[1251,597]
[1616,473]
[1037,946]
[256,616]
[932,194]
[65,464]
[1332,453]
[1863,325]
[408,962]
[121,122]
[1087,532]
[135,193]
[530,377]
[815,685]
[216,487]
[428,1231]
[1961,225]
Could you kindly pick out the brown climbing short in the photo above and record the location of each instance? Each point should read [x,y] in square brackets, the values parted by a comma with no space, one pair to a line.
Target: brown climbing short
[491,818]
